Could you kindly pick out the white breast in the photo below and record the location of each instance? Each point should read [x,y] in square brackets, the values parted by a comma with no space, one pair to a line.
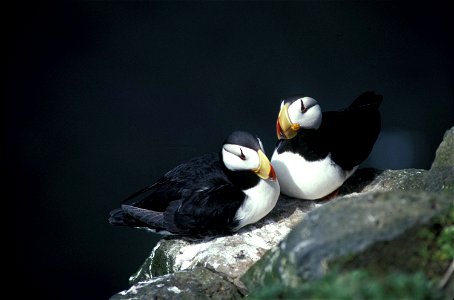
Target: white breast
[260,200]
[307,180]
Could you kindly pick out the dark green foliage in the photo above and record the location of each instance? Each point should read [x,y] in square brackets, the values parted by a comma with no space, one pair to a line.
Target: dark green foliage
[436,249]
[358,284]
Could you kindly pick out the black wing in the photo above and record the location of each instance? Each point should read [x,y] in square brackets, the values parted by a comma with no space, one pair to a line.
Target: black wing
[351,134]
[190,176]
[198,173]
[119,217]
[208,212]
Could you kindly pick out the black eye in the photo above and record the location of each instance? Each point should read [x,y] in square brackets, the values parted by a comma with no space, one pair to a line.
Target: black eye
[303,108]
[242,156]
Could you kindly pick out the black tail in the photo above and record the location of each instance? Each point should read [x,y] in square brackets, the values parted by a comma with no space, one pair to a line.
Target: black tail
[132,216]
[120,218]
[367,100]
[151,219]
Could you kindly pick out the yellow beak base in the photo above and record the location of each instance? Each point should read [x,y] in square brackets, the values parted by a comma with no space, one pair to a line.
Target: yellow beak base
[265,170]
[285,129]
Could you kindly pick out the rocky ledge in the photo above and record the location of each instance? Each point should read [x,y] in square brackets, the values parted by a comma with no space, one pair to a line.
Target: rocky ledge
[391,231]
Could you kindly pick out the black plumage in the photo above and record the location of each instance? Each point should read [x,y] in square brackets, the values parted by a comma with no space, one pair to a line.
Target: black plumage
[179,200]
[349,135]
[197,198]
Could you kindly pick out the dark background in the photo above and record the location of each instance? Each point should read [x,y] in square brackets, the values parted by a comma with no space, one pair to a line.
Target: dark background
[102,98]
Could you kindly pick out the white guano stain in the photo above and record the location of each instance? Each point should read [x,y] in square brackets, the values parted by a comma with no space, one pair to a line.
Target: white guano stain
[174,289]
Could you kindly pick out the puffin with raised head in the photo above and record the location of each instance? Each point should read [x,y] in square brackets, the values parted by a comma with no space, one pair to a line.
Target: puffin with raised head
[210,195]
[316,152]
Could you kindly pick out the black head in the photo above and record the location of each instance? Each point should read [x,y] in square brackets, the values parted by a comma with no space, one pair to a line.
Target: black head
[244,161]
[245,139]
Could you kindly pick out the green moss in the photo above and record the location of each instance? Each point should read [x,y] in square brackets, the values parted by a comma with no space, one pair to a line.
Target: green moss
[160,264]
[436,244]
[445,240]
[357,284]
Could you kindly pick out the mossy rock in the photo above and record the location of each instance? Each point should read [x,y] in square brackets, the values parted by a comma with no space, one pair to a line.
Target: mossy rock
[428,248]
[357,226]
[357,284]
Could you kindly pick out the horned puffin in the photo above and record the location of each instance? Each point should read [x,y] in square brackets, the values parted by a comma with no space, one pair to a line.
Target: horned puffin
[316,152]
[214,194]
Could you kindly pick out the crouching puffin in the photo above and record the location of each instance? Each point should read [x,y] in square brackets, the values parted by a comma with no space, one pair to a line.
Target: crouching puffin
[209,195]
[316,152]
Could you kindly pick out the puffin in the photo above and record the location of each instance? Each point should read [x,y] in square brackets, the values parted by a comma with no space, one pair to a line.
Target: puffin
[317,151]
[210,195]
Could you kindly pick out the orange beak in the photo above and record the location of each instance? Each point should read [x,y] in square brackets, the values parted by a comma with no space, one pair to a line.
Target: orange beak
[272,174]
[279,131]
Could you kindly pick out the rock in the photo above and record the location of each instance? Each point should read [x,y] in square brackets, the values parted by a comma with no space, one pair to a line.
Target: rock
[229,255]
[427,247]
[345,227]
[379,213]
[373,180]
[196,284]
[441,174]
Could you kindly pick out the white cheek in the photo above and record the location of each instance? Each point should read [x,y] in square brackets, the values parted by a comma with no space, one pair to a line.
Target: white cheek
[311,119]
[230,160]
[235,163]
[294,112]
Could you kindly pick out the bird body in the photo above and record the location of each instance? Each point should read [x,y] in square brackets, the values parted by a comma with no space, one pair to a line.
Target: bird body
[316,152]
[308,180]
[209,195]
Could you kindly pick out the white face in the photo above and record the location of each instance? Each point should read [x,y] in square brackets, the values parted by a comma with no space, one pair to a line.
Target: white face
[240,158]
[306,112]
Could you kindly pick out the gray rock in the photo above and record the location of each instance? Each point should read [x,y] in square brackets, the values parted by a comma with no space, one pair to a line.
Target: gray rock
[373,180]
[196,284]
[345,226]
[229,255]
[441,174]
